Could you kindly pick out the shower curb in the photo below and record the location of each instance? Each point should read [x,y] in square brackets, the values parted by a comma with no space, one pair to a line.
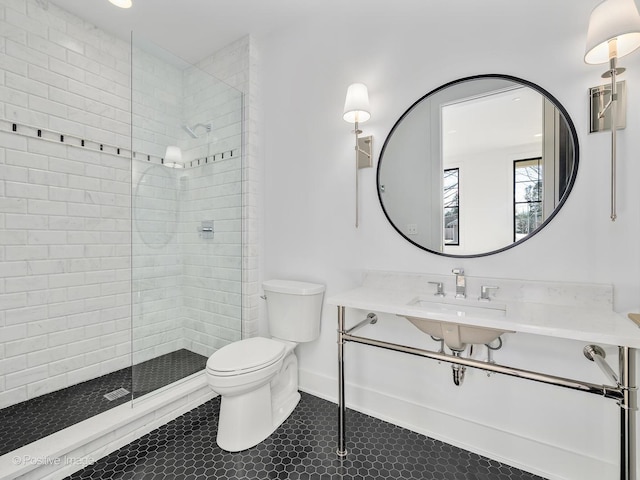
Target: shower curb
[67,451]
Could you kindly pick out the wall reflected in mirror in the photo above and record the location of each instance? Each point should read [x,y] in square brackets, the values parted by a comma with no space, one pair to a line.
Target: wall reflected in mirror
[477,166]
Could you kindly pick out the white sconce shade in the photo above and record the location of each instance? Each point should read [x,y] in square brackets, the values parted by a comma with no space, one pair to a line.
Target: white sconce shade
[173,154]
[122,3]
[612,19]
[173,157]
[356,105]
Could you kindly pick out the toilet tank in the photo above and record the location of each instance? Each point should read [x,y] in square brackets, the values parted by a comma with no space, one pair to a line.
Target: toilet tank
[293,309]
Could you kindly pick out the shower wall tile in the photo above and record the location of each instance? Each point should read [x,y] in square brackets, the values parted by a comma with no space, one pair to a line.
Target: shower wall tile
[11,301]
[211,280]
[65,211]
[25,346]
[46,356]
[50,384]
[157,326]
[24,377]
[14,364]
[14,332]
[12,396]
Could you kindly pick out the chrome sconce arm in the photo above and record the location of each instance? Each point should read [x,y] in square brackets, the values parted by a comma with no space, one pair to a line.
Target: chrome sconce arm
[363,148]
[614,31]
[356,110]
[613,102]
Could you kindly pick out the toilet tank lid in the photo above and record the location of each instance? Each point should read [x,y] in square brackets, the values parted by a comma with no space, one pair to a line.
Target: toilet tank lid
[293,287]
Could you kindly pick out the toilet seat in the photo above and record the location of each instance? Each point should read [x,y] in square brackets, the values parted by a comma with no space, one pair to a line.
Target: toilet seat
[245,356]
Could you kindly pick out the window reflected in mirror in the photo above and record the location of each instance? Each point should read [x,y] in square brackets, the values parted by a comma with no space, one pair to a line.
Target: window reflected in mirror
[451,196]
[527,197]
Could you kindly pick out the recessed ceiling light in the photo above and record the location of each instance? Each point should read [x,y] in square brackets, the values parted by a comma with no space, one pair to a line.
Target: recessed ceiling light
[516,99]
[122,3]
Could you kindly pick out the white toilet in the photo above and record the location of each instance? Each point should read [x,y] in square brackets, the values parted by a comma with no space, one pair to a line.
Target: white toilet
[257,378]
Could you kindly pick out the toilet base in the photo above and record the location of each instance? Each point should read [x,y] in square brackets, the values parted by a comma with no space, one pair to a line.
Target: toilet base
[285,410]
[249,418]
[245,420]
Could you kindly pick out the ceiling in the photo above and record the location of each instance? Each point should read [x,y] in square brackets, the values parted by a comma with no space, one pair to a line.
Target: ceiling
[191,29]
[493,122]
[195,29]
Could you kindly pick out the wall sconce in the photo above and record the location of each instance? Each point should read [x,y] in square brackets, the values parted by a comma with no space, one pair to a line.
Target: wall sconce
[173,157]
[614,31]
[356,110]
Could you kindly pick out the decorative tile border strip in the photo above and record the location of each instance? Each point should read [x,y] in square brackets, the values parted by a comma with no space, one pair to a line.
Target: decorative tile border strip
[79,142]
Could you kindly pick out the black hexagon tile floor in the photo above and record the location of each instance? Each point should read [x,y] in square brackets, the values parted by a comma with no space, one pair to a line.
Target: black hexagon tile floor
[302,448]
[34,419]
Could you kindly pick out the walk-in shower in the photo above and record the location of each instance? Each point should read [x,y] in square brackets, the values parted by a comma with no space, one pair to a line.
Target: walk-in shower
[108,289]
[186,285]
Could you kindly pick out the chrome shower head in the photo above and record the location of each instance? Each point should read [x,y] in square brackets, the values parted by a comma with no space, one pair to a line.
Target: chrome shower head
[190,131]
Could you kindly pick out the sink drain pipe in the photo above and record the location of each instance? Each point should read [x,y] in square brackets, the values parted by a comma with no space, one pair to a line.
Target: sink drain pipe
[458,370]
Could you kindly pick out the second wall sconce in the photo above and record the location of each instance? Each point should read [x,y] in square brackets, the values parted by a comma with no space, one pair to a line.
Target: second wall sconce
[173,157]
[614,31]
[356,111]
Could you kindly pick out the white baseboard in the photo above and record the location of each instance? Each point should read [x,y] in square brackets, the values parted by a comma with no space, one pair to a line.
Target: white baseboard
[67,451]
[548,461]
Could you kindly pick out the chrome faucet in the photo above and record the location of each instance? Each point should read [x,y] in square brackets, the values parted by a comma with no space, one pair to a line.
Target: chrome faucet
[484,293]
[461,286]
[439,289]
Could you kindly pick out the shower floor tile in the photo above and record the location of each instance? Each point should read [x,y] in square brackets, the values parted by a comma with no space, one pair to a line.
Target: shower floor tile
[302,448]
[39,417]
[165,369]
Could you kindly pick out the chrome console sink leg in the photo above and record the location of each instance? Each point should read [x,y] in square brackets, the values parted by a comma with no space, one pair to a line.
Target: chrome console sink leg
[628,408]
[342,409]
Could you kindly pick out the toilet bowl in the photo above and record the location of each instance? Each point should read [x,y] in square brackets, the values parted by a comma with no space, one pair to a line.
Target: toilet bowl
[257,378]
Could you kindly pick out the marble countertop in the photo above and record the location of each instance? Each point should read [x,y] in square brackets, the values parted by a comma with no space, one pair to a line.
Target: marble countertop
[597,324]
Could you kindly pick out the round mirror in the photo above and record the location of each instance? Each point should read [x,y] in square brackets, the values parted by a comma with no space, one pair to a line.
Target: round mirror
[477,166]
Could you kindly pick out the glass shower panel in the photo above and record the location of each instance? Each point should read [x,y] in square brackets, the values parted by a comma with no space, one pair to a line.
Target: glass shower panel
[186,217]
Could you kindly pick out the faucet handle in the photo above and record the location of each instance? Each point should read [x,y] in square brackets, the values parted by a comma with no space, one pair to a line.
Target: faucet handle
[458,271]
[484,292]
[439,289]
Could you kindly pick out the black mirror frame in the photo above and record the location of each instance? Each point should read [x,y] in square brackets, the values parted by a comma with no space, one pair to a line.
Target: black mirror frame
[527,83]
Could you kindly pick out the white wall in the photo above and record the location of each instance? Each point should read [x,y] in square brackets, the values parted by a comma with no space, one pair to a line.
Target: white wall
[309,232]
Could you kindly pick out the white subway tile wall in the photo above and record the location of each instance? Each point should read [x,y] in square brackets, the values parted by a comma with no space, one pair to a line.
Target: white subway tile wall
[187,289]
[65,212]
[212,270]
[238,65]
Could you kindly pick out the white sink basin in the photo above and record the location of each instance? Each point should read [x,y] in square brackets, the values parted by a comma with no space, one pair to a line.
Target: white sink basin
[456,335]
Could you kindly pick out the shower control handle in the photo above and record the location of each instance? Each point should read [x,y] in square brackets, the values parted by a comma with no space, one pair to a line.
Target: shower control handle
[206,229]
